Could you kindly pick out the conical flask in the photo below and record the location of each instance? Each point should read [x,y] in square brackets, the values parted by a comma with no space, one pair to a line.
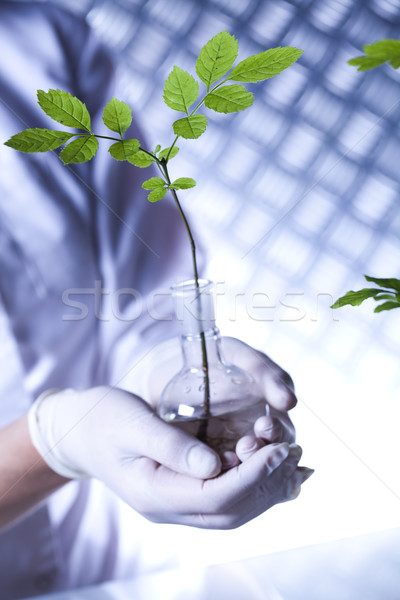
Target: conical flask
[213,400]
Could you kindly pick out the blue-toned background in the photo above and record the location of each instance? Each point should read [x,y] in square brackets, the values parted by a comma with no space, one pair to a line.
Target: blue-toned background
[297,197]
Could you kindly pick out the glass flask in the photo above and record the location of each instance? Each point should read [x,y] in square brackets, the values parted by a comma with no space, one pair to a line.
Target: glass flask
[213,400]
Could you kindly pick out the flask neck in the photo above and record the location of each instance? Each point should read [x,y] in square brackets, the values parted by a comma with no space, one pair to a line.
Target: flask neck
[192,349]
[194,307]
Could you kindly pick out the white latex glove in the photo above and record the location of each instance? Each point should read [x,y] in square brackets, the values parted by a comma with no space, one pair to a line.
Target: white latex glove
[151,373]
[160,471]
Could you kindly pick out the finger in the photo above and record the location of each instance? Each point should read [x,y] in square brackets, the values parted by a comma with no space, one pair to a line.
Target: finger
[268,429]
[277,384]
[247,446]
[229,460]
[143,433]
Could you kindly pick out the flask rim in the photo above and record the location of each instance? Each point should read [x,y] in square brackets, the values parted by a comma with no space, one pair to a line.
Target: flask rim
[189,285]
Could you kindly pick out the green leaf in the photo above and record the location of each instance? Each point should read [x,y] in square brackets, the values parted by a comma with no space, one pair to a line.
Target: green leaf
[377,54]
[191,127]
[64,108]
[123,150]
[355,298]
[229,99]
[386,283]
[180,90]
[80,150]
[265,65]
[153,183]
[117,116]
[387,306]
[383,48]
[216,58]
[140,159]
[157,194]
[38,140]
[164,153]
[364,63]
[383,296]
[158,148]
[183,183]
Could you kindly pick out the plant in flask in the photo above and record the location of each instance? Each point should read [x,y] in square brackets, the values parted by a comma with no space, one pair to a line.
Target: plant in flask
[216,401]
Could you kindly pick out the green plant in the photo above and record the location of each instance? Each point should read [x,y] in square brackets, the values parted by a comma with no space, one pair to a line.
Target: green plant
[214,68]
[388,290]
[376,54]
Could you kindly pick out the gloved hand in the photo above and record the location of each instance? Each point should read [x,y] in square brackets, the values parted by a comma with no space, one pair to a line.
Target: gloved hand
[148,377]
[160,471]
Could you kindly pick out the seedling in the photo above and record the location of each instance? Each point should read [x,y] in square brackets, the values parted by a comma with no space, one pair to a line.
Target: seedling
[214,68]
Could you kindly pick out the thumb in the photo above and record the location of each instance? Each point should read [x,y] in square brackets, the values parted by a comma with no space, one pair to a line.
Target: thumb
[170,446]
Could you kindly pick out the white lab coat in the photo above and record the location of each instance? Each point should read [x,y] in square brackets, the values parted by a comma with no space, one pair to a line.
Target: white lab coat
[69,231]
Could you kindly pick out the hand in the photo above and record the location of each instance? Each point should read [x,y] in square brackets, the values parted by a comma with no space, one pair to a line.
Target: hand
[162,472]
[165,360]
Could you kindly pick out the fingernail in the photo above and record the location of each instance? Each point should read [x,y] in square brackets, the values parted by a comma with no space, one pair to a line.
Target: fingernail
[203,462]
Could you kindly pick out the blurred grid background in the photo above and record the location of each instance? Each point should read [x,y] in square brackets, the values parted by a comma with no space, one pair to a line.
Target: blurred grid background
[297,197]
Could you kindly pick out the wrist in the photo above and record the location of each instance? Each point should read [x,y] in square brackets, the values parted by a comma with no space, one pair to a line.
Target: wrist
[48,443]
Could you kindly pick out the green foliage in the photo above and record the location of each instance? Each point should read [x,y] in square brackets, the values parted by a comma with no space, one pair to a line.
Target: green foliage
[182,183]
[64,108]
[38,140]
[168,152]
[117,116]
[80,150]
[214,67]
[377,54]
[229,99]
[157,186]
[216,58]
[141,159]
[190,127]
[123,150]
[153,183]
[388,290]
[181,90]
[265,65]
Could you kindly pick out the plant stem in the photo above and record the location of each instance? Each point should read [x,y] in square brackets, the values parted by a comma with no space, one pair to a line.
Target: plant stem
[202,433]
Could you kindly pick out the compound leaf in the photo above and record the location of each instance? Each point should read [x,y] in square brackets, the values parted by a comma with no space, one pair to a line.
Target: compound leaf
[265,65]
[216,58]
[64,108]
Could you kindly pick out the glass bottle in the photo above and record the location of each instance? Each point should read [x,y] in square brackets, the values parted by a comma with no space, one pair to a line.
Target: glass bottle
[210,398]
